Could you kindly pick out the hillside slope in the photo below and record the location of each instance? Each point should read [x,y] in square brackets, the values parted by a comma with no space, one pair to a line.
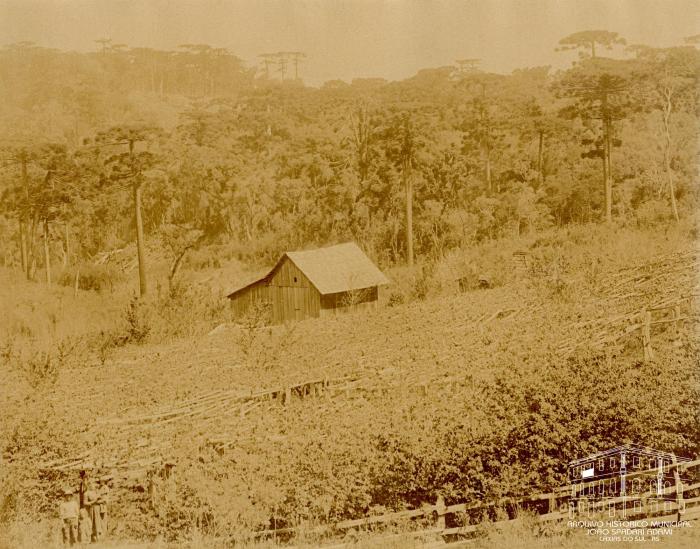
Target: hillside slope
[477,368]
[475,395]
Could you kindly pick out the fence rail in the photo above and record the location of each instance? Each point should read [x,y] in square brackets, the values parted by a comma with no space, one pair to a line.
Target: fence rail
[560,498]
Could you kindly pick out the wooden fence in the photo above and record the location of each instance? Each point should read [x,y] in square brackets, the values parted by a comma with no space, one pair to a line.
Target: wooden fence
[208,407]
[227,402]
[559,506]
[614,330]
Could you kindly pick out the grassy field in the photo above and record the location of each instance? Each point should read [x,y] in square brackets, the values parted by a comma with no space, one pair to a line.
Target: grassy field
[481,394]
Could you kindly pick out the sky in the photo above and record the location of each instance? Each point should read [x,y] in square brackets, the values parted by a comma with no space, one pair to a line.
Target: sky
[346,39]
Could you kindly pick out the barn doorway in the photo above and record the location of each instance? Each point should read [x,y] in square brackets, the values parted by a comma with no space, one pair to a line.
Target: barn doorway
[295,304]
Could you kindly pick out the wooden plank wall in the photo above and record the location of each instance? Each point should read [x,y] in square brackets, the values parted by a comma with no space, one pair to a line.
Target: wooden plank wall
[242,302]
[345,302]
[293,296]
[287,289]
[291,304]
[288,275]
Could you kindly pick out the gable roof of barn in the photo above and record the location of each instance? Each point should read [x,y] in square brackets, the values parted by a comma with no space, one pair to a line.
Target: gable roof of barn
[339,268]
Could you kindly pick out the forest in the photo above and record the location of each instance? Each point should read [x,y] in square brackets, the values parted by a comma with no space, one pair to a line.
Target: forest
[190,148]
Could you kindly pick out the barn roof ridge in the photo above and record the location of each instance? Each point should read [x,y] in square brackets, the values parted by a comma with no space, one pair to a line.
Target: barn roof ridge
[331,269]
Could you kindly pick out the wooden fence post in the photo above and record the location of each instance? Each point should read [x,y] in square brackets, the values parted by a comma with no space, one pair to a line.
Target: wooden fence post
[677,323]
[646,336]
[440,509]
[287,395]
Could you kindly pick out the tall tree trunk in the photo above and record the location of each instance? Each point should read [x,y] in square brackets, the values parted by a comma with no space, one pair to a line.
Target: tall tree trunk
[66,253]
[396,228]
[136,185]
[672,190]
[487,168]
[608,179]
[540,158]
[31,243]
[47,254]
[25,215]
[607,184]
[23,244]
[139,238]
[489,184]
[667,154]
[409,212]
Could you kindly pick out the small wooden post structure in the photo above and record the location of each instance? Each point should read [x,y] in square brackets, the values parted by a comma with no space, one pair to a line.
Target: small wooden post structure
[646,336]
[463,284]
[677,323]
[287,395]
[440,510]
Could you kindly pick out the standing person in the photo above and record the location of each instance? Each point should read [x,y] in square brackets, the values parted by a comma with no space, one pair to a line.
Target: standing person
[82,486]
[68,511]
[84,522]
[103,501]
[91,506]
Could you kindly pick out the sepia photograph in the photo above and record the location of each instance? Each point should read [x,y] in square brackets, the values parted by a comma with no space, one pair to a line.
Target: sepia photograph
[349,274]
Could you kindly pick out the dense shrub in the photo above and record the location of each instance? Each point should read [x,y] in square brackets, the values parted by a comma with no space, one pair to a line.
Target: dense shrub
[395,298]
[184,310]
[653,212]
[138,321]
[98,278]
[493,442]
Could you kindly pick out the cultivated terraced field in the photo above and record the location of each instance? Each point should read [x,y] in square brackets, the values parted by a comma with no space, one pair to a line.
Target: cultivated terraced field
[398,400]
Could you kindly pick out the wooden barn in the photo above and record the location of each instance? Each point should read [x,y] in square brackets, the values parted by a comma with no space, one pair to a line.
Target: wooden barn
[314,283]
